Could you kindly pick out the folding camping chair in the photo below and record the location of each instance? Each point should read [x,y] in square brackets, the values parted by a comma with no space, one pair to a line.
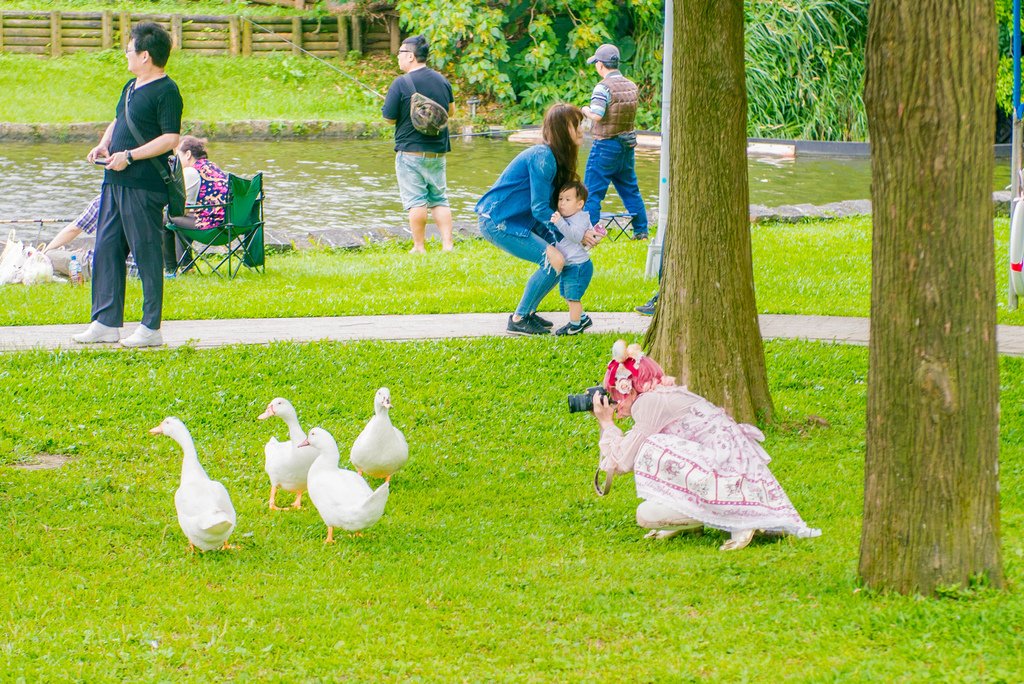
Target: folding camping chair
[617,225]
[241,233]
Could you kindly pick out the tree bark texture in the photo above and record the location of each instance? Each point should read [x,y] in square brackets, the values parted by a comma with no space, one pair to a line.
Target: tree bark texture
[706,328]
[931,499]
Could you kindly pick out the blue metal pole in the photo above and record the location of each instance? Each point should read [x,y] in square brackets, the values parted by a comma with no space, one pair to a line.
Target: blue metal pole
[1018,108]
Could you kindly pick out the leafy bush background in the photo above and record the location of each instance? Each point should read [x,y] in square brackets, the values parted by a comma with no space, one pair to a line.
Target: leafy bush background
[805,58]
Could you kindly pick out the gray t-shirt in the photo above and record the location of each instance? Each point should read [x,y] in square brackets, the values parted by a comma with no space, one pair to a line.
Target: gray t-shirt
[571,245]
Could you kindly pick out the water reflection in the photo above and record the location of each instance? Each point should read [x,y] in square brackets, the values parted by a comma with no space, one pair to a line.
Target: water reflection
[326,184]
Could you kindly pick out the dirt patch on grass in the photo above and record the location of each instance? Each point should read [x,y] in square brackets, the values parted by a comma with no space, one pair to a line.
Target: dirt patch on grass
[43,462]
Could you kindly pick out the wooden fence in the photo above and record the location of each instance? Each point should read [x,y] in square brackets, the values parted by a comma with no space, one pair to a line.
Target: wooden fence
[297,4]
[58,33]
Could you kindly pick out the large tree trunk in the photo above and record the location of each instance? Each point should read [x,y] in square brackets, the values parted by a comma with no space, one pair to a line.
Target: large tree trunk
[706,330]
[931,501]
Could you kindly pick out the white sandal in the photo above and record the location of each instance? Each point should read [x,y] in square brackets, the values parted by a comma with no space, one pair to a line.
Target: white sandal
[739,540]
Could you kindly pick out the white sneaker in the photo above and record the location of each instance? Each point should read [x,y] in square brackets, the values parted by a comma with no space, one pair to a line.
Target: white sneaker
[97,332]
[143,337]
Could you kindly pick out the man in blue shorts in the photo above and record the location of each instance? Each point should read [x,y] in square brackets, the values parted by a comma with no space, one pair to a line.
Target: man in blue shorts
[420,157]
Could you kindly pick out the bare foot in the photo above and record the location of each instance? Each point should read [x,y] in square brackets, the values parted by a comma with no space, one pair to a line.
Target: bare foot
[418,250]
[447,248]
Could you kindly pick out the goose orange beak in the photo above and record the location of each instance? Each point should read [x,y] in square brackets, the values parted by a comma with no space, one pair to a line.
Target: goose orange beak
[303,443]
[268,413]
[158,430]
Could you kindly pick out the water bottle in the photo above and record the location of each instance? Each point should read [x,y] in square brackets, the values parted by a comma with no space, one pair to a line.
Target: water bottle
[75,270]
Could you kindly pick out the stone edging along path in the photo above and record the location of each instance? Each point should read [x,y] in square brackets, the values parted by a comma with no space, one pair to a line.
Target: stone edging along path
[231,131]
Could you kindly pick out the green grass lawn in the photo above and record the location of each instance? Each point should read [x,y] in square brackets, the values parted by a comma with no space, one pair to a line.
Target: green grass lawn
[85,87]
[814,267]
[494,560]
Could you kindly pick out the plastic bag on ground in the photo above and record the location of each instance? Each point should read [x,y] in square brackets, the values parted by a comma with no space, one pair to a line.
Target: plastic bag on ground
[11,260]
[37,268]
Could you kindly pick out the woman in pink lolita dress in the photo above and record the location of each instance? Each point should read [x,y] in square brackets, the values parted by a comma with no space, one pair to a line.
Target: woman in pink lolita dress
[694,465]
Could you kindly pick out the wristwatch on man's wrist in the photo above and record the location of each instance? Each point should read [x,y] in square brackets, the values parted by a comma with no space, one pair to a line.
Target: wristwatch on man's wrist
[128,157]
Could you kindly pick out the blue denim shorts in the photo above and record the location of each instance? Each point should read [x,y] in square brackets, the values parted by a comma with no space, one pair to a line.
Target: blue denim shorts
[421,181]
[575,280]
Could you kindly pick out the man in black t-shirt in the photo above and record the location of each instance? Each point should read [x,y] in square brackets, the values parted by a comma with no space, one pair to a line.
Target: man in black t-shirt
[134,192]
[419,158]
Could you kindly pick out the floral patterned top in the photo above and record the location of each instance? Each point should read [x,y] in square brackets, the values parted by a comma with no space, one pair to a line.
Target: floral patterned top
[213,189]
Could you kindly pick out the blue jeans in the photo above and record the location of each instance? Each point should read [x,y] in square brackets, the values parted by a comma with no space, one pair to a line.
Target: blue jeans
[530,247]
[611,161]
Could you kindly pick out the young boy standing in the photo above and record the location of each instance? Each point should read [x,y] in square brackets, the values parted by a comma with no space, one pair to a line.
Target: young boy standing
[573,222]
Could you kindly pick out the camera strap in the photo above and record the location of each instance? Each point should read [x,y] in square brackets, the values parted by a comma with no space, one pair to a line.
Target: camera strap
[602,490]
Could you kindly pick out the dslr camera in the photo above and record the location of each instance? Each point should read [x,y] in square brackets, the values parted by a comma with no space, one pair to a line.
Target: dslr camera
[585,400]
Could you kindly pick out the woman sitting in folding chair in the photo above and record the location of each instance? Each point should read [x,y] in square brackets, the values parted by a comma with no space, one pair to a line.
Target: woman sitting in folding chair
[205,184]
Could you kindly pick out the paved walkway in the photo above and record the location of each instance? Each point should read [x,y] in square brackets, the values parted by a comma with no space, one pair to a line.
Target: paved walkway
[215,333]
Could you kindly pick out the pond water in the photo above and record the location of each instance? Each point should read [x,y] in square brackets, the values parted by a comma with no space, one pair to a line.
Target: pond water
[314,185]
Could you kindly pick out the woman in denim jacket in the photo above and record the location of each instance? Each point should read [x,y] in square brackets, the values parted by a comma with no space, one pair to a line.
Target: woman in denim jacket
[515,213]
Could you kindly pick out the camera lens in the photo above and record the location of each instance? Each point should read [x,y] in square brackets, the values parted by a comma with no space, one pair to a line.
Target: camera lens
[580,402]
[585,400]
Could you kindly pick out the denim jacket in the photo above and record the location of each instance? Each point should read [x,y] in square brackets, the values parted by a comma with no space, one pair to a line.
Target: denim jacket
[521,197]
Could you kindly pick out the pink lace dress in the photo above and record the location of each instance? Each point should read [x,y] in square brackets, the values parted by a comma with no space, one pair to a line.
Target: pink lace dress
[688,454]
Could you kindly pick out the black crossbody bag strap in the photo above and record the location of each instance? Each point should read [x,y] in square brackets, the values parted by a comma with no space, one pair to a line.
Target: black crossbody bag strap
[161,168]
[412,84]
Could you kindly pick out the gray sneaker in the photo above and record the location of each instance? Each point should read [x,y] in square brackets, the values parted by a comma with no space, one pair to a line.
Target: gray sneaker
[543,321]
[526,326]
[648,308]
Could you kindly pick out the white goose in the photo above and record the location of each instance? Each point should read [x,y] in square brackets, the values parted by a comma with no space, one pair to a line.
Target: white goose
[204,508]
[342,497]
[380,450]
[287,464]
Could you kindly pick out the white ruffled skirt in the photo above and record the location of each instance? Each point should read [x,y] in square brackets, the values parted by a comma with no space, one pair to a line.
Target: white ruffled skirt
[708,467]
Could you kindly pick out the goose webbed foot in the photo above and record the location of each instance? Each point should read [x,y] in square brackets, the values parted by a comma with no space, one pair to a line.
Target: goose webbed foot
[330,535]
[273,499]
[297,504]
